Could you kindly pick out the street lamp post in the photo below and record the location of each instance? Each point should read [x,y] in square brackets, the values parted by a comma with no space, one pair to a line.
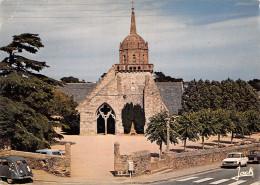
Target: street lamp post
[168,132]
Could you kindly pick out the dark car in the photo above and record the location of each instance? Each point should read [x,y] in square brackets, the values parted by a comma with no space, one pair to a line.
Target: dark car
[13,168]
[254,156]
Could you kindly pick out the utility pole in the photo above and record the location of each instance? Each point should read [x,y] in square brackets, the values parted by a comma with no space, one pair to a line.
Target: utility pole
[168,131]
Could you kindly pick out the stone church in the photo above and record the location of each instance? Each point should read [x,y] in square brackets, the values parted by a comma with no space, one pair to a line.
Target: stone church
[100,104]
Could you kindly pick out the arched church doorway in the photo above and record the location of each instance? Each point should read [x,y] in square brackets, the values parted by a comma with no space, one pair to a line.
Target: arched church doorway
[105,120]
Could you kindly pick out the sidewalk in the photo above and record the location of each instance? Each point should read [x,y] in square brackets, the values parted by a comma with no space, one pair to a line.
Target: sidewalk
[43,177]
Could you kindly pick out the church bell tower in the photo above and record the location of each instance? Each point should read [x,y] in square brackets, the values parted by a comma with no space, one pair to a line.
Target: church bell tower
[133,52]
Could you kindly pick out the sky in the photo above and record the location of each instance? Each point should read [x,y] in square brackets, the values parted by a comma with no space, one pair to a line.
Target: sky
[189,39]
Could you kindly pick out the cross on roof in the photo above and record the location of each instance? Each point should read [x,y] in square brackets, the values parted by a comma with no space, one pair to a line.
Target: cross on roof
[132,3]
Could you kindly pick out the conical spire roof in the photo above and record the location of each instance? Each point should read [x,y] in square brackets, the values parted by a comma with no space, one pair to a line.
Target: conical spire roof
[133,40]
[133,26]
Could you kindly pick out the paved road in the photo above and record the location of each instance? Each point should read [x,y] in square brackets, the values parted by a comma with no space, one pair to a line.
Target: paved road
[222,176]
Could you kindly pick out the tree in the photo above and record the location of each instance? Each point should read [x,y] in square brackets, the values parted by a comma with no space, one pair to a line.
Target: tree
[70,79]
[188,128]
[157,129]
[139,119]
[160,77]
[255,83]
[28,96]
[221,123]
[238,95]
[205,120]
[133,114]
[237,124]
[66,113]
[127,117]
[253,121]
[21,127]
[228,94]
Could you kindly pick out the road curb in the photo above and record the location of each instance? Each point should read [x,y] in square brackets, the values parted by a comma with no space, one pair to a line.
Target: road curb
[171,178]
[128,181]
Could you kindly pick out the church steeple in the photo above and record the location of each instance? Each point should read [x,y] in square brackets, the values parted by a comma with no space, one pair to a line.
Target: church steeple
[133,26]
[133,52]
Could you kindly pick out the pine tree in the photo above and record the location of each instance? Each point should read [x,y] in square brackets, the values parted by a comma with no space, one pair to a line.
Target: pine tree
[28,96]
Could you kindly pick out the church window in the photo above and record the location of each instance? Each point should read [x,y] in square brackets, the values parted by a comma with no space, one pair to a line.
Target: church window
[133,58]
[105,120]
[139,68]
[117,67]
[130,68]
[134,68]
[124,59]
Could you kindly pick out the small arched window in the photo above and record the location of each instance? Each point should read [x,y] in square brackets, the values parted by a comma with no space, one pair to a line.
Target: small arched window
[134,59]
[139,68]
[117,67]
[124,59]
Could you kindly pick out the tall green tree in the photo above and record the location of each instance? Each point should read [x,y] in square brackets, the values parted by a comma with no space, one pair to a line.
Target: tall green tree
[253,121]
[127,116]
[139,119]
[157,129]
[221,123]
[188,128]
[238,124]
[133,114]
[229,94]
[205,119]
[29,94]
[65,112]
[21,127]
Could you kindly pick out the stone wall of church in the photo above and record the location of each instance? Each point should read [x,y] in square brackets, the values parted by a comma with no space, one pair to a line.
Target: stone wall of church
[117,89]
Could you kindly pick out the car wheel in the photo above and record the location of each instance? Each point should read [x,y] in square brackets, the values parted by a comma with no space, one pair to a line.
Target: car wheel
[246,164]
[10,181]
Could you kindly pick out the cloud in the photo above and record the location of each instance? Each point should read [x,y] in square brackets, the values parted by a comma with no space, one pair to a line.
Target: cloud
[84,43]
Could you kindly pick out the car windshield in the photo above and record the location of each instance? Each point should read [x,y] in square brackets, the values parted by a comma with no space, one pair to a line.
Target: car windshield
[233,156]
[21,162]
[56,153]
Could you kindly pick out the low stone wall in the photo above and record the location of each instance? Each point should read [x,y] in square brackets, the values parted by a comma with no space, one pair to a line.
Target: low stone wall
[158,164]
[203,157]
[57,165]
[140,159]
[176,161]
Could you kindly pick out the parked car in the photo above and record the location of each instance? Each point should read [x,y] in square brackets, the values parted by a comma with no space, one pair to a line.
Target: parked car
[235,159]
[254,156]
[49,151]
[13,168]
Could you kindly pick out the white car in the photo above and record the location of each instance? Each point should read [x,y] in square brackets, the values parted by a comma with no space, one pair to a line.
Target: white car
[235,159]
[49,152]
